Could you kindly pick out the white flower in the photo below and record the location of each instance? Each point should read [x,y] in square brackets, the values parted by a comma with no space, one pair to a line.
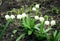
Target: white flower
[34,9]
[36,17]
[7,17]
[37,5]
[53,22]
[19,16]
[12,16]
[46,22]
[24,15]
[41,19]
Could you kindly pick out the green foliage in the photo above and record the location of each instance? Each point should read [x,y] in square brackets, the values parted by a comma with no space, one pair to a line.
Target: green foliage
[42,32]
[55,36]
[28,24]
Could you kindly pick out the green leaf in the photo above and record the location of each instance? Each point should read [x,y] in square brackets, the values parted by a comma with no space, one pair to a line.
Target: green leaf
[20,37]
[26,23]
[58,36]
[29,32]
[45,31]
[55,33]
[32,23]
[26,26]
[37,26]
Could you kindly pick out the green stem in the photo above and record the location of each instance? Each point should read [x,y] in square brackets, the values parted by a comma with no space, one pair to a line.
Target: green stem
[41,27]
[30,9]
[37,12]
[18,11]
[22,9]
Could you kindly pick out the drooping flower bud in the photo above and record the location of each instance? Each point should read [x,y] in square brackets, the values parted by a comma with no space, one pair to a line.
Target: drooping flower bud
[19,16]
[24,15]
[36,17]
[53,22]
[46,22]
[41,19]
[37,5]
[7,17]
[34,9]
[12,16]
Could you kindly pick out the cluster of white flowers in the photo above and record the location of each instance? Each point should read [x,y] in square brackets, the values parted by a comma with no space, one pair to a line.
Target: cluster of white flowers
[19,16]
[39,18]
[8,17]
[53,22]
[36,6]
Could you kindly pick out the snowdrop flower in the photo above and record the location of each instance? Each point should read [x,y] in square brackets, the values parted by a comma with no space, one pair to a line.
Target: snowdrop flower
[37,5]
[46,22]
[53,22]
[24,15]
[36,17]
[19,16]
[7,17]
[34,9]
[12,16]
[41,19]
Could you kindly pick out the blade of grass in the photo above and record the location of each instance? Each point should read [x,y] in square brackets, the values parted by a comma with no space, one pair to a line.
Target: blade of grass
[41,27]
